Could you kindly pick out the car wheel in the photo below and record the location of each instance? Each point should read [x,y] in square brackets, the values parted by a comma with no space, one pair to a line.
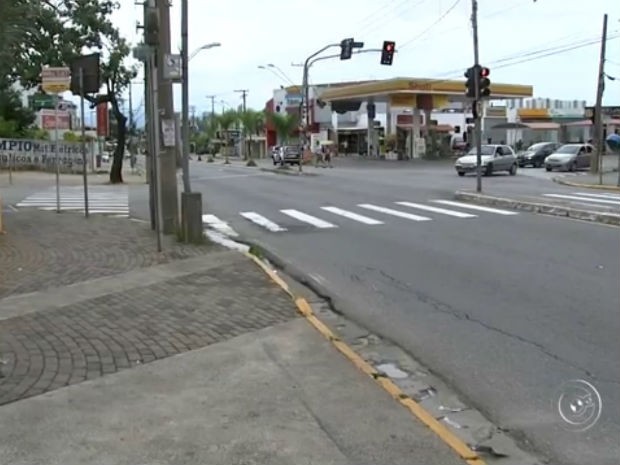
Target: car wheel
[489,170]
[547,168]
[573,166]
[461,173]
[513,170]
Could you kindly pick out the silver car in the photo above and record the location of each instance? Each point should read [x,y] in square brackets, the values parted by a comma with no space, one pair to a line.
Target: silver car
[493,158]
[570,157]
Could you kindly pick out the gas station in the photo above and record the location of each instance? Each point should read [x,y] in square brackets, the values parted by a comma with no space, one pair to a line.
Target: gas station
[416,96]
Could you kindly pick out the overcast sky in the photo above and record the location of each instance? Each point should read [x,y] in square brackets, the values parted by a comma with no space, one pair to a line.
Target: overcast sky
[433,39]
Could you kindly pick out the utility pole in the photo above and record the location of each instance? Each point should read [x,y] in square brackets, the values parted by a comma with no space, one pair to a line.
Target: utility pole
[244,93]
[476,107]
[597,166]
[185,95]
[212,98]
[168,173]
[130,109]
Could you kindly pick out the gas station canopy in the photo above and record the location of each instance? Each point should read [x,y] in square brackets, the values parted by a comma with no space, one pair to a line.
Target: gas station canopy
[416,92]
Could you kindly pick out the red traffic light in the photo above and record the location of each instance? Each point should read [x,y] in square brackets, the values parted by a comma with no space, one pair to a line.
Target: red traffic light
[484,72]
[388,46]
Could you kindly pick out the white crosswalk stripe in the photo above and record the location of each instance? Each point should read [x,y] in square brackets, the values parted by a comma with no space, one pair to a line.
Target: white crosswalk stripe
[214,222]
[101,200]
[476,207]
[443,211]
[262,221]
[599,196]
[584,199]
[389,211]
[352,216]
[313,220]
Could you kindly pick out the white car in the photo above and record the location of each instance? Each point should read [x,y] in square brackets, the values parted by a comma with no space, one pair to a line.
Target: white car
[276,155]
[493,158]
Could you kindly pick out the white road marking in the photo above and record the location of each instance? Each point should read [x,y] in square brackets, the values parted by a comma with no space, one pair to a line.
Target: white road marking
[313,220]
[262,221]
[100,200]
[583,199]
[389,211]
[352,216]
[215,223]
[443,211]
[602,196]
[476,207]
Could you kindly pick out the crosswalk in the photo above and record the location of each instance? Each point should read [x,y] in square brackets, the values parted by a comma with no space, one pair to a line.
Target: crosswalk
[105,200]
[607,200]
[329,217]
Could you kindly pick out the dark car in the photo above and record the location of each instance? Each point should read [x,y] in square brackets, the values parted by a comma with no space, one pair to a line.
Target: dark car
[290,154]
[535,154]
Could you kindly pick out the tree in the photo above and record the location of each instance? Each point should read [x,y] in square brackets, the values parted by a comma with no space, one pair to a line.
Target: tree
[253,121]
[225,121]
[59,31]
[285,125]
[15,120]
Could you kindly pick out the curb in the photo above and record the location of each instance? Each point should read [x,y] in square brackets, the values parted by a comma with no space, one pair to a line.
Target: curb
[564,182]
[541,208]
[287,172]
[304,308]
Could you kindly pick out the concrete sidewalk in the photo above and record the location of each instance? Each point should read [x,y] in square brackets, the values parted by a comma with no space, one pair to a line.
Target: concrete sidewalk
[114,354]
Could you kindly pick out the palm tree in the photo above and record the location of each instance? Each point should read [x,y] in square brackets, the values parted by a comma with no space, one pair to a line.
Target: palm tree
[284,124]
[226,120]
[253,121]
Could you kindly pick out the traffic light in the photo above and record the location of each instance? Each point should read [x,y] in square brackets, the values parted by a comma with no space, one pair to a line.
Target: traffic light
[470,83]
[484,83]
[346,48]
[387,54]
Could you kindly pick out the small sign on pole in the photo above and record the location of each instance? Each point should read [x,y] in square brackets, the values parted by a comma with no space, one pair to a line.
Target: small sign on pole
[168,130]
[56,80]
[172,68]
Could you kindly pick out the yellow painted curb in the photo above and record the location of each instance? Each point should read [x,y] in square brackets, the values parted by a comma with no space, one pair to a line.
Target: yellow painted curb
[589,186]
[449,438]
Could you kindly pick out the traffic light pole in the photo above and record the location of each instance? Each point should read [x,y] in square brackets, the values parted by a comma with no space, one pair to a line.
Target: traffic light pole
[306,93]
[477,122]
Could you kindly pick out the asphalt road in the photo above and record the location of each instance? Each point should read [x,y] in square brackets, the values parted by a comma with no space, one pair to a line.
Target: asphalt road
[506,308]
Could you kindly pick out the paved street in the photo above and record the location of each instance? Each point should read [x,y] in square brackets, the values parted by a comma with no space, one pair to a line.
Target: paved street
[506,306]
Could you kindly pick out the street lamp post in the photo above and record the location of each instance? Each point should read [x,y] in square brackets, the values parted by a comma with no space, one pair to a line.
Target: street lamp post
[191,202]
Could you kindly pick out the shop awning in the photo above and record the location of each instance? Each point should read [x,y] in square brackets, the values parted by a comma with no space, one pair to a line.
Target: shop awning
[543,126]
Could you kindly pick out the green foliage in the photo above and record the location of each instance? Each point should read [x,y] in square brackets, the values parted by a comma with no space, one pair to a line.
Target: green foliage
[54,32]
[15,120]
[253,121]
[284,124]
[227,119]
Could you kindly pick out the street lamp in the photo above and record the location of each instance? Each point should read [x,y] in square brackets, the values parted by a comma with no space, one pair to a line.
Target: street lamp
[204,47]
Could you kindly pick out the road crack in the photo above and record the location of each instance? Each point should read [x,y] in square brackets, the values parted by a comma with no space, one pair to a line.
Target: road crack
[464,316]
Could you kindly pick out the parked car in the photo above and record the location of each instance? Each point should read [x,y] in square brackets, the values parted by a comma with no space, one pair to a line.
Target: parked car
[570,157]
[493,158]
[535,154]
[288,154]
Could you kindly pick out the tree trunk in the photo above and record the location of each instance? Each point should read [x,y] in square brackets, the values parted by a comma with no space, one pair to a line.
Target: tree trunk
[116,172]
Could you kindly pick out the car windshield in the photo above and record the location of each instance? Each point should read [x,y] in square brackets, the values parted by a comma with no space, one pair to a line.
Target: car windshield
[485,150]
[535,147]
[568,149]
[291,149]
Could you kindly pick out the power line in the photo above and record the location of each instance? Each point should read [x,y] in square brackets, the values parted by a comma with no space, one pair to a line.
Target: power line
[437,21]
[381,21]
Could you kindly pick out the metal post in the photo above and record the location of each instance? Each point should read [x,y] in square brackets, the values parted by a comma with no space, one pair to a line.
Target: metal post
[598,108]
[155,154]
[57,161]
[83,143]
[185,95]
[478,125]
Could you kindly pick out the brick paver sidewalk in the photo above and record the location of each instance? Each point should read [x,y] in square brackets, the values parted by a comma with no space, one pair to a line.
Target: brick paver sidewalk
[83,298]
